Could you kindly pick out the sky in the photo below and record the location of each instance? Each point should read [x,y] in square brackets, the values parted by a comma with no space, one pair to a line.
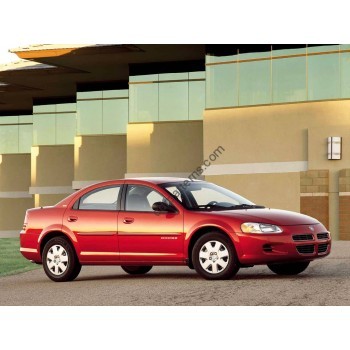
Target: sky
[5,56]
[26,22]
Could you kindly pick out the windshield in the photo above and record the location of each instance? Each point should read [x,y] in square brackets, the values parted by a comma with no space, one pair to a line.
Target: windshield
[200,195]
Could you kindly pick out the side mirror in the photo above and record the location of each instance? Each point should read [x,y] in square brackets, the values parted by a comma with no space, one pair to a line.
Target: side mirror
[163,207]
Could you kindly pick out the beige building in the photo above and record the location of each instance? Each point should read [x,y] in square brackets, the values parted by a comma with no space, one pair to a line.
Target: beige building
[256,121]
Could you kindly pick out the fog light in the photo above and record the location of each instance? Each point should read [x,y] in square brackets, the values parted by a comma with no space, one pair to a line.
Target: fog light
[267,248]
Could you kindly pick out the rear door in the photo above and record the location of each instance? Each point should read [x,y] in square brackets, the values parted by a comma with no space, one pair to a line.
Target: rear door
[94,221]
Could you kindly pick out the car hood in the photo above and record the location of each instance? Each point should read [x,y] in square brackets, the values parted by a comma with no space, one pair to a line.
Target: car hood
[270,216]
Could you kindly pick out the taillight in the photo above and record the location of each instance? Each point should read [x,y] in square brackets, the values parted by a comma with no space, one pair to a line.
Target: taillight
[24,227]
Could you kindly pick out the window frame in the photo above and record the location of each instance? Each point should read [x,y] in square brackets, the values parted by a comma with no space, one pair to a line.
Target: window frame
[118,206]
[123,200]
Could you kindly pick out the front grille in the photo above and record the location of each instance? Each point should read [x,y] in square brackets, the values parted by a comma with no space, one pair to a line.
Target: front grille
[306,249]
[322,248]
[323,235]
[303,238]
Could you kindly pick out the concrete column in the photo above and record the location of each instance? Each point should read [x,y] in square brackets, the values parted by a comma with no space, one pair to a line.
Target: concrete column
[51,173]
[344,204]
[98,158]
[14,192]
[164,148]
[314,194]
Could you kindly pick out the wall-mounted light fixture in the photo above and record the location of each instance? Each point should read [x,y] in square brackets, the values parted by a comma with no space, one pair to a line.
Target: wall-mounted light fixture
[334,147]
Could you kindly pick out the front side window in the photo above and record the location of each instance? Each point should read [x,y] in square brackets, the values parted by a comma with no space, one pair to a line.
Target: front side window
[101,199]
[141,198]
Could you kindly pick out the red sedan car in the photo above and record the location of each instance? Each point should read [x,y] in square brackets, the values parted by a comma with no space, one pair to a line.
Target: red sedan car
[139,223]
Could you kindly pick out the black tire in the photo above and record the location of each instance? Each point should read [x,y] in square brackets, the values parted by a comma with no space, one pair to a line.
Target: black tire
[289,269]
[136,270]
[76,272]
[70,265]
[216,272]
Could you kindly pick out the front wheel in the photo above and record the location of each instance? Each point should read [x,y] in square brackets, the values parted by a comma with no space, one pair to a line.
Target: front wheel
[60,261]
[288,269]
[214,257]
[136,270]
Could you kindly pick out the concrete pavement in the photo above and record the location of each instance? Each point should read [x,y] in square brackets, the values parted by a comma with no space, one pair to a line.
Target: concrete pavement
[325,282]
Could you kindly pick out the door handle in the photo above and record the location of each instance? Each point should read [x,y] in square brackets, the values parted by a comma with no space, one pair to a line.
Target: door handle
[72,218]
[128,220]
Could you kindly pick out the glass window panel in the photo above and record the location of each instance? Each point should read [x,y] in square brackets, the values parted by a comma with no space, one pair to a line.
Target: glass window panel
[9,120]
[143,102]
[345,74]
[44,129]
[140,78]
[173,76]
[345,47]
[25,138]
[44,109]
[115,93]
[141,198]
[8,139]
[196,75]
[288,52]
[221,85]
[89,117]
[254,55]
[65,128]
[196,99]
[323,77]
[218,59]
[115,116]
[323,48]
[255,83]
[25,119]
[173,101]
[66,107]
[89,94]
[289,79]
[100,199]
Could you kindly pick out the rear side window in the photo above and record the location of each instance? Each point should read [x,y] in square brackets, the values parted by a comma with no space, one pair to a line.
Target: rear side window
[105,198]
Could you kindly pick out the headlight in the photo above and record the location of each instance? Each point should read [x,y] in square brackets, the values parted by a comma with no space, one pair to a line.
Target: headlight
[254,227]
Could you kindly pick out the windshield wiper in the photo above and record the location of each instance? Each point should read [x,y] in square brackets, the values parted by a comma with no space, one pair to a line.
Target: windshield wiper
[230,207]
[247,206]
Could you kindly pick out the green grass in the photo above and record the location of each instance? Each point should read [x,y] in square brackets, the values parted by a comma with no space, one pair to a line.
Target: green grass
[11,260]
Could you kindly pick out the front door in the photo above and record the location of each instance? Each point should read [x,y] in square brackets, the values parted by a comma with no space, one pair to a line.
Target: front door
[146,235]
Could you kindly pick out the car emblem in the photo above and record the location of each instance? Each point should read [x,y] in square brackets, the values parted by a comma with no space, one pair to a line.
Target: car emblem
[311,228]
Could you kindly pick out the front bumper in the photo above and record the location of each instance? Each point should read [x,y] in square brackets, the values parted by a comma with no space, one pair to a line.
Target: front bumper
[296,243]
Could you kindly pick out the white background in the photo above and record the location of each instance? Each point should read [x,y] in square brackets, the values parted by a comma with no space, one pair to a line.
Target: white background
[218,21]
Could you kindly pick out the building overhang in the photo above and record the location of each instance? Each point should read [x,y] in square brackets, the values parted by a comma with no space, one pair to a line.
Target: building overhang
[48,72]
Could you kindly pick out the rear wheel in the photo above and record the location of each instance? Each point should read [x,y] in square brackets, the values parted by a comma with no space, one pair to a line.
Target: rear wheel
[60,261]
[289,268]
[136,270]
[214,257]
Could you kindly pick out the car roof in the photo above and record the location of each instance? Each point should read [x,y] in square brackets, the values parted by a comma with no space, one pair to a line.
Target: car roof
[135,180]
[159,180]
[153,180]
